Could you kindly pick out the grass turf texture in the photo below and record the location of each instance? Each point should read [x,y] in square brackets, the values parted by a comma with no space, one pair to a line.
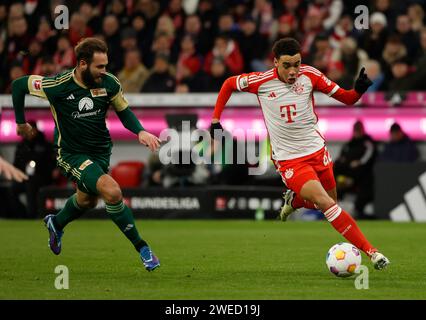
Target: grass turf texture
[206,260]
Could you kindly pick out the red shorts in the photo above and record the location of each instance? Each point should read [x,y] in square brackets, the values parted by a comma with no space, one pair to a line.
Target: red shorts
[316,166]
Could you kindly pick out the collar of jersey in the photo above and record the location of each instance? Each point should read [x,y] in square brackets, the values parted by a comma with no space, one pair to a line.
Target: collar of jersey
[76,81]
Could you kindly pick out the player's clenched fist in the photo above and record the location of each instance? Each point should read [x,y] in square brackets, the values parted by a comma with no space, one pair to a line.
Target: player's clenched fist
[363,82]
[215,126]
[148,139]
[25,130]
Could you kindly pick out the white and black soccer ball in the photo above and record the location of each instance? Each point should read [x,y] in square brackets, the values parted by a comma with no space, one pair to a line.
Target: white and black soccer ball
[343,259]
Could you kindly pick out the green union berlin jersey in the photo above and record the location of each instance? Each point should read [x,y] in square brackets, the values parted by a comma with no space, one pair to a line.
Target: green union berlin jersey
[79,112]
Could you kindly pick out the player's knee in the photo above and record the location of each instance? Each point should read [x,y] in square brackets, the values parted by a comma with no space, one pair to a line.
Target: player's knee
[323,201]
[109,189]
[112,195]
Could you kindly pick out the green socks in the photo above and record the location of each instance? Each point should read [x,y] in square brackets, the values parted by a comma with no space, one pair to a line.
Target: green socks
[123,218]
[70,212]
[119,213]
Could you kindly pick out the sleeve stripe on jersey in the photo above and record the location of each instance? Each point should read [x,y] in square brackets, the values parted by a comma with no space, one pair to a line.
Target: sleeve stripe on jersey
[310,68]
[262,79]
[51,85]
[333,91]
[311,71]
[261,74]
[265,74]
[55,81]
[59,77]
[238,83]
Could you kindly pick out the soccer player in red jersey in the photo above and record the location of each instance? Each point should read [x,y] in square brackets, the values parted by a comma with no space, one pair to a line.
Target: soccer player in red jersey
[285,94]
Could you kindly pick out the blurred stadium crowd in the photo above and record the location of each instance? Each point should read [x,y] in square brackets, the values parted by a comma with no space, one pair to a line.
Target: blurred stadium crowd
[194,45]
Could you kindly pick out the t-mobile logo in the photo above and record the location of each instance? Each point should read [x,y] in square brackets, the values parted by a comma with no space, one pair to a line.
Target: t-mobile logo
[290,111]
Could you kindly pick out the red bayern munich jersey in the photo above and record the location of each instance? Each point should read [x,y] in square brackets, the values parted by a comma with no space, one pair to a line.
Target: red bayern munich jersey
[288,109]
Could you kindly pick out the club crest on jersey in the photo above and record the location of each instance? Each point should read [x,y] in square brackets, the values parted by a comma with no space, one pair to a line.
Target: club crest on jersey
[98,92]
[298,88]
[85,104]
[288,173]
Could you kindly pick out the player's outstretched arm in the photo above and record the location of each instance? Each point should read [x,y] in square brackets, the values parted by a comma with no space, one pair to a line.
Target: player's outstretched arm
[131,123]
[228,87]
[20,87]
[19,90]
[10,172]
[349,97]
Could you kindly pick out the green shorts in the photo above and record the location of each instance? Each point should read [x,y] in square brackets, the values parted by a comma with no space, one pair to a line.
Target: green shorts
[84,170]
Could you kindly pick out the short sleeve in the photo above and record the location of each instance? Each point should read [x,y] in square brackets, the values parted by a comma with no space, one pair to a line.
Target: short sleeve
[119,102]
[250,82]
[35,86]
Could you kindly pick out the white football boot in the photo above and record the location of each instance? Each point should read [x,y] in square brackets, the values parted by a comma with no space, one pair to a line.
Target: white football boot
[287,209]
[379,261]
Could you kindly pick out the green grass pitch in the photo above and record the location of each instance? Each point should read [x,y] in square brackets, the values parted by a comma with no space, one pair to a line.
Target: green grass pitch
[206,260]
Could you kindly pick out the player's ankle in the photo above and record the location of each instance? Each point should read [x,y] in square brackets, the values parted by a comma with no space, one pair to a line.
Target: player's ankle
[56,224]
[370,252]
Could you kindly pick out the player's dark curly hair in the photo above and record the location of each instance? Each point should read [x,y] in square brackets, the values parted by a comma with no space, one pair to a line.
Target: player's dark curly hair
[85,49]
[286,46]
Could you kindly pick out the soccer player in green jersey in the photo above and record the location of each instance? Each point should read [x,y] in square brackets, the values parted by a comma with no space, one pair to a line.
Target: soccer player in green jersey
[79,100]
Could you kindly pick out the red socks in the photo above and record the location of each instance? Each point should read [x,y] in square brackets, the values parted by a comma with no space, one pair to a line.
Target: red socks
[342,222]
[347,227]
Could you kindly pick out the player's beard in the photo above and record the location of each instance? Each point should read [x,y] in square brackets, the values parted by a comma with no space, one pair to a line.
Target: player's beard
[88,79]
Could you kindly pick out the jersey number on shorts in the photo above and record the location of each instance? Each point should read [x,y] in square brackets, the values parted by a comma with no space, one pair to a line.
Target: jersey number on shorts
[287,112]
[327,158]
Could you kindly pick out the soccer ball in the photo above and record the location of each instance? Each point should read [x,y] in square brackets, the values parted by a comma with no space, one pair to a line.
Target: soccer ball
[343,259]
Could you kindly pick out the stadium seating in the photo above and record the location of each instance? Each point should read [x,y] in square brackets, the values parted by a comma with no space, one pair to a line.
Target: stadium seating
[128,173]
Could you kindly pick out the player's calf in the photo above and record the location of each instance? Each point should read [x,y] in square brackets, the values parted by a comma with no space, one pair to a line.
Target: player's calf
[123,218]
